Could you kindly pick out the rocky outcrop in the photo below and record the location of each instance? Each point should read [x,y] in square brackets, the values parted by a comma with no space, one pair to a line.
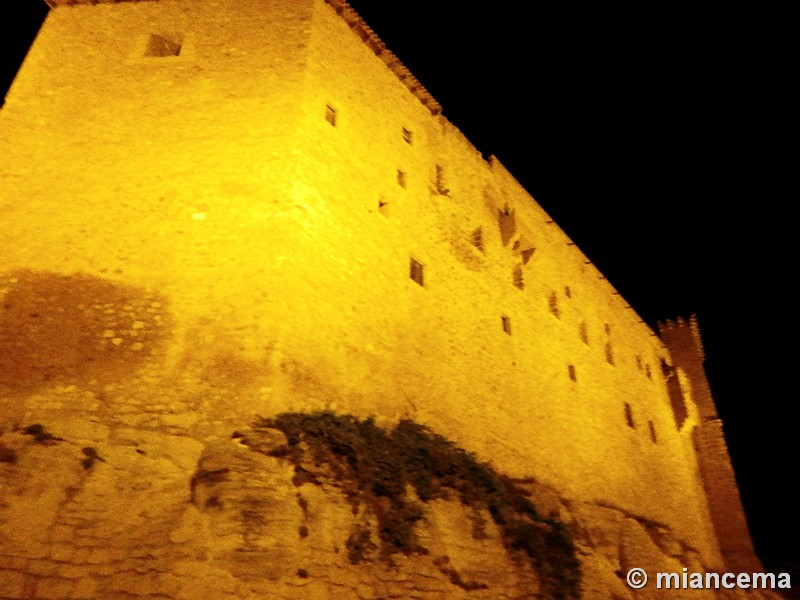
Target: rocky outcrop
[94,512]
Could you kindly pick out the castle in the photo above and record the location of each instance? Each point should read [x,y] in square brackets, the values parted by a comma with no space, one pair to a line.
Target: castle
[215,210]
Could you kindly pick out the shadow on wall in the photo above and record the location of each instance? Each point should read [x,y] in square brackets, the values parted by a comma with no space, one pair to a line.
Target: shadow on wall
[58,328]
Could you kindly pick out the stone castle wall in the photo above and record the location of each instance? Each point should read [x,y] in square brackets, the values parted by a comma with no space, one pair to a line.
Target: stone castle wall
[193,240]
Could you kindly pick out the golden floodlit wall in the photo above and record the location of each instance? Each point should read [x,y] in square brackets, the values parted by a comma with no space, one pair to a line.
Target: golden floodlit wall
[288,227]
[549,399]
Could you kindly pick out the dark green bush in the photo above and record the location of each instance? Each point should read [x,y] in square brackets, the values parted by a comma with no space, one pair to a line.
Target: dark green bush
[375,467]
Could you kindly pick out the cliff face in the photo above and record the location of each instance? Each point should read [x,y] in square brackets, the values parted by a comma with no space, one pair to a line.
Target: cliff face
[216,211]
[115,509]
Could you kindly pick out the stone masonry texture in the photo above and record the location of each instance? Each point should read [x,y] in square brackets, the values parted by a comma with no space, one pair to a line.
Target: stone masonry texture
[213,211]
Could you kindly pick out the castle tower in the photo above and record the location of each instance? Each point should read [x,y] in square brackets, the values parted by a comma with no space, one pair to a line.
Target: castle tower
[215,211]
[686,347]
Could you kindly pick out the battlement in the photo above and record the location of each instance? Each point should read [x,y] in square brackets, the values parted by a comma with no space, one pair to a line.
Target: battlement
[371,39]
[681,328]
[55,3]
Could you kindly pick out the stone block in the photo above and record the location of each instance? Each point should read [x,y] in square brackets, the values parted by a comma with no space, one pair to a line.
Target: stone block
[182,421]
[62,552]
[73,571]
[51,588]
[12,583]
[85,589]
[42,567]
[102,555]
[135,584]
[168,584]
[62,533]
[83,430]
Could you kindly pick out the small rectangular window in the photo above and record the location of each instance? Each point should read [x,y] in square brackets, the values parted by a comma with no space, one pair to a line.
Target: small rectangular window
[653,437]
[571,371]
[629,416]
[416,272]
[553,301]
[519,280]
[609,353]
[330,115]
[584,333]
[476,239]
[407,135]
[164,45]
[506,322]
[441,183]
[401,178]
[507,221]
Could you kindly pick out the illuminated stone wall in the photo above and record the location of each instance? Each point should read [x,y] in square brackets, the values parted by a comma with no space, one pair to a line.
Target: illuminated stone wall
[210,211]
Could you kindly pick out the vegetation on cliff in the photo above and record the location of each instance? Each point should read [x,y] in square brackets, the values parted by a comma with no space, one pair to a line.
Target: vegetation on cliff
[376,468]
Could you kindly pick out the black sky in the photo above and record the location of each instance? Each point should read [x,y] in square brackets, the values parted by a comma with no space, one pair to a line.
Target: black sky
[656,140]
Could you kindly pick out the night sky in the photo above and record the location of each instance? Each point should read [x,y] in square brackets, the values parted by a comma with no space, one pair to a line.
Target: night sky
[658,141]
